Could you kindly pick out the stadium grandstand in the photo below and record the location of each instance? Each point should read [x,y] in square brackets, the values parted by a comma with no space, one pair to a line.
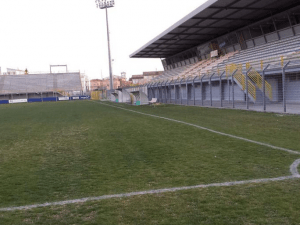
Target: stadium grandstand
[230,53]
[39,86]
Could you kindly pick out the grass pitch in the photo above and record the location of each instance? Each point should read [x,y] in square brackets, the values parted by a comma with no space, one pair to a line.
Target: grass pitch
[69,150]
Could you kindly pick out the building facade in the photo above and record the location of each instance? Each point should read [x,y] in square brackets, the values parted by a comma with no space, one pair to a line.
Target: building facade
[145,77]
[118,81]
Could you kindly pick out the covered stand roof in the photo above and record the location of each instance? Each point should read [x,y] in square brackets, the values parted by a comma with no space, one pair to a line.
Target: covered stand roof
[212,19]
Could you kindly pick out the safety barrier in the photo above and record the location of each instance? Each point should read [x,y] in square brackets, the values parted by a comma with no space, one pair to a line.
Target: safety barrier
[98,95]
[258,80]
[240,78]
[4,101]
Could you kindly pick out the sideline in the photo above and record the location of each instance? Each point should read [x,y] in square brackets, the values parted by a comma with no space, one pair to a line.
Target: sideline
[207,129]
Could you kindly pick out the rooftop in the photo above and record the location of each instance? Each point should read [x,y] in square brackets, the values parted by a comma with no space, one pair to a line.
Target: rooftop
[211,20]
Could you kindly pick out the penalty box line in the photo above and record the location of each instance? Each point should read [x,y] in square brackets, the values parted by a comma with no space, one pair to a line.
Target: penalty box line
[207,129]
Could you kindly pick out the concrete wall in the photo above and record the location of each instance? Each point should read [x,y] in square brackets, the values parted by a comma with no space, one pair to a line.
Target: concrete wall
[276,90]
[183,91]
[198,93]
[205,92]
[297,29]
[293,88]
[286,33]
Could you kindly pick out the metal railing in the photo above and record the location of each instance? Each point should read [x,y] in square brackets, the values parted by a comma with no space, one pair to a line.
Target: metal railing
[272,84]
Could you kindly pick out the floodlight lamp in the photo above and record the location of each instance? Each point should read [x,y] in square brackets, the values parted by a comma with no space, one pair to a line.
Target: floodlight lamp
[111,3]
[106,4]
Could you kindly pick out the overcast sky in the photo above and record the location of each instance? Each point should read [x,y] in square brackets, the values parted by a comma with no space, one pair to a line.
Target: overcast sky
[37,33]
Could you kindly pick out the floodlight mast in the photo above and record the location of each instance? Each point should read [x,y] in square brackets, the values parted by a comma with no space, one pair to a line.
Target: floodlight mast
[105,4]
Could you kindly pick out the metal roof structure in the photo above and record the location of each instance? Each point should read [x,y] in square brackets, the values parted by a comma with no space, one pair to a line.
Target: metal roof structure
[211,20]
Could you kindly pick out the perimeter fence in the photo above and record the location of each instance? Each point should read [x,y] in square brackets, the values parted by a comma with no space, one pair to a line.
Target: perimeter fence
[271,85]
[99,95]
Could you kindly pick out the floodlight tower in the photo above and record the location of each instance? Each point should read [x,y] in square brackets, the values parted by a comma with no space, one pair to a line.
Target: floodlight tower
[105,4]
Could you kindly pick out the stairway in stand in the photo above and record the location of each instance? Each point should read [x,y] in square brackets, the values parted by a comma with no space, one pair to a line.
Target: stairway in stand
[240,79]
[257,79]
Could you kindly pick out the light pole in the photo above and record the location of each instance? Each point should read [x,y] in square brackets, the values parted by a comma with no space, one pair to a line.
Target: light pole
[105,4]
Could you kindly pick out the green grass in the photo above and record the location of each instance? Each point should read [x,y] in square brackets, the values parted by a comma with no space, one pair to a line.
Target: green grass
[276,129]
[272,203]
[68,150]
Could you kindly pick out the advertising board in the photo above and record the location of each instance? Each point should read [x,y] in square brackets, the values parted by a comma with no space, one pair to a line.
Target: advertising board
[214,53]
[63,98]
[17,101]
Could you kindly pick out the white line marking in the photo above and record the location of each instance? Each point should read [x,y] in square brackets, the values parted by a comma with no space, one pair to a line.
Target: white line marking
[293,170]
[158,191]
[207,129]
